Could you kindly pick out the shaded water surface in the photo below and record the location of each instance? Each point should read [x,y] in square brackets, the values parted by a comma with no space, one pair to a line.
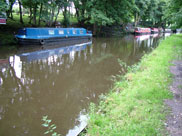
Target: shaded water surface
[61,82]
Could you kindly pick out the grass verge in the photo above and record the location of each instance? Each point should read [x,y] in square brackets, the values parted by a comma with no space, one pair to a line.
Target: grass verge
[135,107]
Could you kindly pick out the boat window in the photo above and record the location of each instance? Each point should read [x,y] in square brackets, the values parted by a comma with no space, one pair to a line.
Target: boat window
[61,32]
[51,32]
[81,31]
[74,31]
[68,31]
[22,32]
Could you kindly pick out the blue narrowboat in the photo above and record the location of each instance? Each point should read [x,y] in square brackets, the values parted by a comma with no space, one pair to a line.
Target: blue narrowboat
[41,36]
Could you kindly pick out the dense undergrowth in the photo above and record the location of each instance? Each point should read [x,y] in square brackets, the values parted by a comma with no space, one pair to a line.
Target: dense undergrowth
[135,106]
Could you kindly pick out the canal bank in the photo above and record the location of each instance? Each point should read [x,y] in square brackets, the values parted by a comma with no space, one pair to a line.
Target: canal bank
[135,105]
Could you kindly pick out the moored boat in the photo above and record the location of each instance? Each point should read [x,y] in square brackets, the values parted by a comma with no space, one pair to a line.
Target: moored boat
[177,31]
[154,30]
[168,31]
[41,36]
[2,20]
[161,30]
[139,31]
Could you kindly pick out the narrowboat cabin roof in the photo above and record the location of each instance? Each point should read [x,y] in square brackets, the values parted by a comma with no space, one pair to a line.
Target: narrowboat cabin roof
[45,33]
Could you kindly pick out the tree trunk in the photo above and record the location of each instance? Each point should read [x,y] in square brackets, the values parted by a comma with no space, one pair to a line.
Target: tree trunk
[69,12]
[40,13]
[47,20]
[34,14]
[9,12]
[95,29]
[57,14]
[65,16]
[30,21]
[52,16]
[20,9]
[137,19]
[77,13]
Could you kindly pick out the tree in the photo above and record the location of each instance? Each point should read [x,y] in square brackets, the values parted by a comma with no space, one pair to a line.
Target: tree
[28,5]
[160,13]
[9,11]
[60,4]
[103,12]
[66,20]
[43,10]
[150,12]
[20,9]
[140,9]
[3,8]
[175,8]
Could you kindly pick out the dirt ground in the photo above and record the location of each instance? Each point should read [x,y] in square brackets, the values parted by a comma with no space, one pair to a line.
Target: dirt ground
[174,119]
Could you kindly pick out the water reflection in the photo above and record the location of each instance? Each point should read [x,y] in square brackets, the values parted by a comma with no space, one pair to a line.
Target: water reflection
[62,82]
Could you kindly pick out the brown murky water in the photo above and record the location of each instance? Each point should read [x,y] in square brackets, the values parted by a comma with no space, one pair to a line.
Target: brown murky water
[61,82]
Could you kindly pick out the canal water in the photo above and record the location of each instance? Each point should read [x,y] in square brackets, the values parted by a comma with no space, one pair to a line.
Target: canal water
[61,82]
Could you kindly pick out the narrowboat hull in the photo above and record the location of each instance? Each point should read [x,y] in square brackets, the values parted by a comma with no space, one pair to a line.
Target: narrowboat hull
[154,32]
[56,40]
[142,31]
[139,33]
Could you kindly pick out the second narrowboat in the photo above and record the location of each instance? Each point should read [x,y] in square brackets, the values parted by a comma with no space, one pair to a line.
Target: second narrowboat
[154,30]
[141,31]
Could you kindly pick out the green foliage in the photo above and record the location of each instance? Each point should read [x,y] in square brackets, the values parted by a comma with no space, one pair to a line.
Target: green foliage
[7,39]
[66,20]
[103,12]
[124,66]
[46,10]
[99,18]
[150,10]
[50,127]
[135,105]
[173,13]
[176,12]
[3,8]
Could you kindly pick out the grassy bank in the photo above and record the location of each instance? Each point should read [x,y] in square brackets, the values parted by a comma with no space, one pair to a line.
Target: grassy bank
[135,106]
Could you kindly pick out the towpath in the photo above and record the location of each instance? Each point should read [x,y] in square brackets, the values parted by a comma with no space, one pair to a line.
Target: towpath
[174,119]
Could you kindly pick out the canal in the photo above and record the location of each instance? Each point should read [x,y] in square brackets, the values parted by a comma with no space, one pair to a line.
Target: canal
[61,82]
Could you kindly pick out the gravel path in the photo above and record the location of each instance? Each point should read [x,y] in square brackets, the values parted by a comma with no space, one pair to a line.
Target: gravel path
[174,120]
